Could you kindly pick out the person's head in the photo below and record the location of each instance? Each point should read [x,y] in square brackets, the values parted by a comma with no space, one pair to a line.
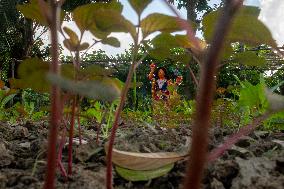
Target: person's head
[161,73]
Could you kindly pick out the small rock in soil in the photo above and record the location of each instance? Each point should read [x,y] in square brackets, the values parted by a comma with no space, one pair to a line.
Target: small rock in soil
[20,132]
[5,156]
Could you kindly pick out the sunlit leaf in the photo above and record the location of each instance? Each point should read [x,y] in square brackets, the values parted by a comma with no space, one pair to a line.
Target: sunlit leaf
[112,21]
[135,175]
[69,45]
[159,22]
[111,41]
[32,75]
[32,11]
[67,71]
[139,5]
[160,53]
[227,51]
[249,58]
[72,35]
[245,28]
[83,46]
[75,47]
[104,89]
[84,15]
[94,71]
[181,58]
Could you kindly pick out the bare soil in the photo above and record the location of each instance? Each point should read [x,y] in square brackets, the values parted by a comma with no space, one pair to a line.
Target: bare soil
[256,161]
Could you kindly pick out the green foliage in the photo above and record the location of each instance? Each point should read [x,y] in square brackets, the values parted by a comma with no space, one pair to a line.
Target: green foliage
[111,41]
[249,58]
[73,43]
[101,19]
[275,122]
[106,89]
[29,71]
[139,5]
[5,97]
[135,175]
[33,11]
[253,96]
[159,22]
[246,28]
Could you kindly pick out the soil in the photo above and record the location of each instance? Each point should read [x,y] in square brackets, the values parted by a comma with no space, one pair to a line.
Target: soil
[256,161]
[153,139]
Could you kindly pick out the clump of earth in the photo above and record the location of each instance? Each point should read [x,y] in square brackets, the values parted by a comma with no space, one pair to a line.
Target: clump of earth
[147,139]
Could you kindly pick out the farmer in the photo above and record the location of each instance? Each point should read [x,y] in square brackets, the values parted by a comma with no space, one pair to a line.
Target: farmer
[160,83]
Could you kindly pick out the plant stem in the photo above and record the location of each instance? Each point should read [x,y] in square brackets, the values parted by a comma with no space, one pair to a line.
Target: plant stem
[119,110]
[198,152]
[71,133]
[59,156]
[55,101]
[79,127]
[234,138]
[134,90]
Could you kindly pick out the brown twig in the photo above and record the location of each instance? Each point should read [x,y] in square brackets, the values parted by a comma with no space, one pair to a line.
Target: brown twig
[198,152]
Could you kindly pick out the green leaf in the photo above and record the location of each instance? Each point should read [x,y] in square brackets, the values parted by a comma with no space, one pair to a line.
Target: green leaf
[73,47]
[249,58]
[165,40]
[111,41]
[72,36]
[246,28]
[69,45]
[105,89]
[67,71]
[227,51]
[134,175]
[32,75]
[139,5]
[7,99]
[93,71]
[162,45]
[159,22]
[83,46]
[112,21]
[181,58]
[32,11]
[73,42]
[84,15]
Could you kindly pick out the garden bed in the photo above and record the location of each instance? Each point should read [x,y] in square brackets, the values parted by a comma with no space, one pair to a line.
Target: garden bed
[255,161]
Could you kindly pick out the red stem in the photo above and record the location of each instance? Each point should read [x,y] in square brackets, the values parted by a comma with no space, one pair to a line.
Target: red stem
[198,152]
[59,157]
[71,133]
[234,138]
[118,113]
[79,127]
[55,115]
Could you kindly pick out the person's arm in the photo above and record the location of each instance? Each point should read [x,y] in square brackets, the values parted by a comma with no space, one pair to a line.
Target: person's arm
[179,80]
[151,74]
